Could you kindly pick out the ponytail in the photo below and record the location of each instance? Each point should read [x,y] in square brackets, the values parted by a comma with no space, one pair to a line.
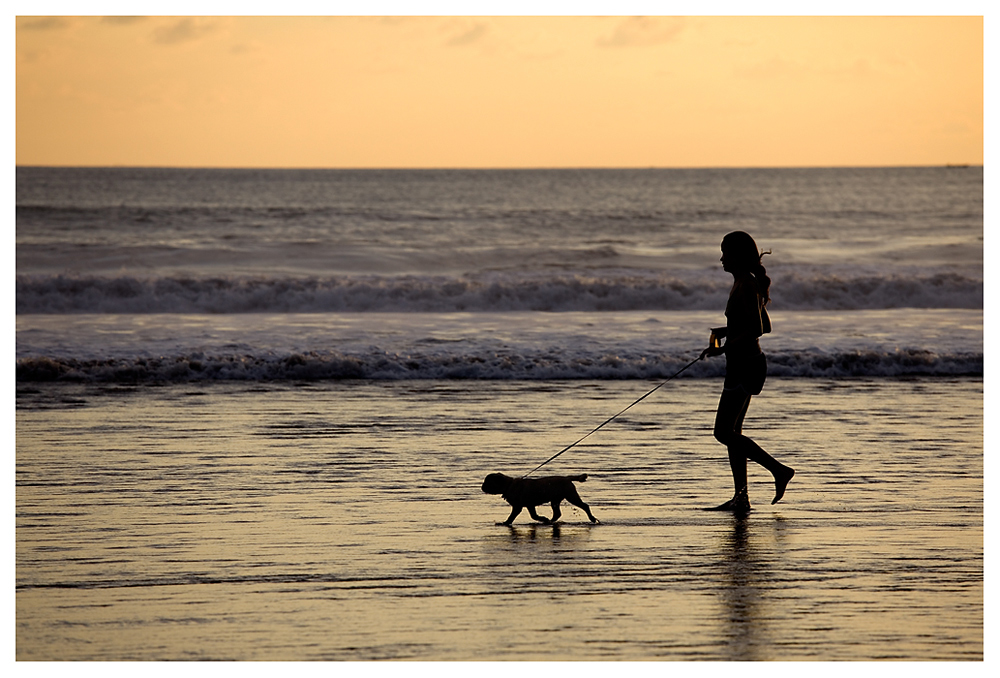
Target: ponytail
[763,282]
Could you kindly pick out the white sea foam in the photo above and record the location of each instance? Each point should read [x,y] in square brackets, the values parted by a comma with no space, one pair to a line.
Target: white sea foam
[564,291]
[520,345]
[379,365]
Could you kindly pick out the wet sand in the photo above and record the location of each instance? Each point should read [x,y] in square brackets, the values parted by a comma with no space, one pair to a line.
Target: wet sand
[344,521]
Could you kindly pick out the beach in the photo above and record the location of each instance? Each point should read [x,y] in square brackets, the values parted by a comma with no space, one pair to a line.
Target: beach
[254,409]
[344,522]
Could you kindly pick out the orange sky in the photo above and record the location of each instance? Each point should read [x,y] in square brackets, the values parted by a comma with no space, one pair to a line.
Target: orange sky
[499,92]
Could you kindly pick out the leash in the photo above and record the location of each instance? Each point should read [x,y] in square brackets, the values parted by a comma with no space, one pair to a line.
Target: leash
[608,421]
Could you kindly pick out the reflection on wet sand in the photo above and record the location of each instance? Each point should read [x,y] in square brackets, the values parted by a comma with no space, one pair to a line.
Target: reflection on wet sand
[746,626]
[533,532]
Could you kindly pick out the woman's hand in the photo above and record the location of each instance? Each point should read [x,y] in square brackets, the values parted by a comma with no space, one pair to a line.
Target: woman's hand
[711,352]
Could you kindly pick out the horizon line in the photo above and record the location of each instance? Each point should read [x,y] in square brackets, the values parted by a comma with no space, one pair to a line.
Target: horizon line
[949,165]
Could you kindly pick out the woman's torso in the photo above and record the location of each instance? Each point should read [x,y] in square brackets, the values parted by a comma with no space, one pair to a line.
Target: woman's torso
[746,318]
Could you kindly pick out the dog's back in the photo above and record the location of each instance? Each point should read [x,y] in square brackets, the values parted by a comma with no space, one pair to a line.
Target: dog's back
[545,490]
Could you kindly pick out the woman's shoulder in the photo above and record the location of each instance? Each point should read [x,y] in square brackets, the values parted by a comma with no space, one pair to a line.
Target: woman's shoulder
[744,284]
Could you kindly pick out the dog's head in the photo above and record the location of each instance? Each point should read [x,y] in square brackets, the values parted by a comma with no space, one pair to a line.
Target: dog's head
[496,483]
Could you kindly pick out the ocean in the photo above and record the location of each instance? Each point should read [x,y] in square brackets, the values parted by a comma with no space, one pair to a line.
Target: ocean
[254,409]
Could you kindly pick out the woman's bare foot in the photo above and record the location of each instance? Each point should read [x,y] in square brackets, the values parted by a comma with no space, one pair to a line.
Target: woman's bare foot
[781,482]
[740,503]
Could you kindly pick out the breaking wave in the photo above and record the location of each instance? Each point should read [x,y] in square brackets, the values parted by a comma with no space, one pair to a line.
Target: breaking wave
[485,293]
[509,365]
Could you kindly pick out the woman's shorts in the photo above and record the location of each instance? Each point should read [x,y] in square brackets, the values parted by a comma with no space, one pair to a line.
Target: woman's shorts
[746,372]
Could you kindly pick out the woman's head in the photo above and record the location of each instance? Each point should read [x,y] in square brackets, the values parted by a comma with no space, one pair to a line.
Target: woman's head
[740,253]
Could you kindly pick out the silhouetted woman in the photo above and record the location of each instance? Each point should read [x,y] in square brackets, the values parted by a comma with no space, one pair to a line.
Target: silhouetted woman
[746,367]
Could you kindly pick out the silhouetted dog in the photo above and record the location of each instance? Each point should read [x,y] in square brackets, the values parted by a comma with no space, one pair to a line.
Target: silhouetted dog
[528,493]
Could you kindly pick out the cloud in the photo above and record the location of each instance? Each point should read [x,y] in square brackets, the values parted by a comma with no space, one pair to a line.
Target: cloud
[642,31]
[470,36]
[392,20]
[184,30]
[122,20]
[45,23]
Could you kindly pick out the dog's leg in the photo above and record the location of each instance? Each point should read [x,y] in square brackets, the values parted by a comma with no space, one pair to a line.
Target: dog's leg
[574,499]
[556,512]
[534,514]
[515,510]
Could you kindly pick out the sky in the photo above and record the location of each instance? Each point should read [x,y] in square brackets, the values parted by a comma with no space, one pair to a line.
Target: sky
[489,91]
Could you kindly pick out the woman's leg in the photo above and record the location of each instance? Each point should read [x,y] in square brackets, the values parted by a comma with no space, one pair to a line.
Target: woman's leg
[733,406]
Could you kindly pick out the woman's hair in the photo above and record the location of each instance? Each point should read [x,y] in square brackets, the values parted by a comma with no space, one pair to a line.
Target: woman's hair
[744,253]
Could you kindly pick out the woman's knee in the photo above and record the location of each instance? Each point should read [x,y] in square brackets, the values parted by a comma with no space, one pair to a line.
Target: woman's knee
[727,425]
[729,417]
[724,434]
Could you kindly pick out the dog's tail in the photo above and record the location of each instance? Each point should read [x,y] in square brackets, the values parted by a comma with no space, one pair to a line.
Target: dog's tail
[580,478]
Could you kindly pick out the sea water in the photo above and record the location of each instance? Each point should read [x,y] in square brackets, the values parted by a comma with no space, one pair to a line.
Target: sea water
[254,409]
